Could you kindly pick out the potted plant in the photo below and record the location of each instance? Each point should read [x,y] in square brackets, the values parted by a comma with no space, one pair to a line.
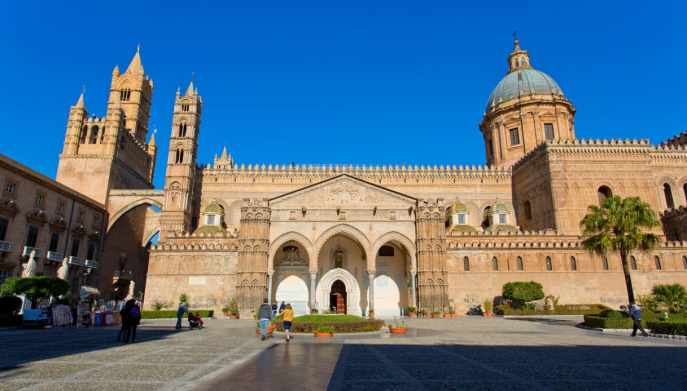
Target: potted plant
[231,310]
[398,327]
[411,312]
[437,314]
[488,307]
[324,331]
[451,312]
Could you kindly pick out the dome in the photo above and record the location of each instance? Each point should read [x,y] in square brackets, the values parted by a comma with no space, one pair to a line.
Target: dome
[524,81]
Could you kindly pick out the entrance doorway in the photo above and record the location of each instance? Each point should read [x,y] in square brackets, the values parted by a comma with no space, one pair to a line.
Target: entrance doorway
[337,297]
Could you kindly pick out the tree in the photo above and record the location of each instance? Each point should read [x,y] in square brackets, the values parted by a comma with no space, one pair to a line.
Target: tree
[522,292]
[619,224]
[41,286]
[9,286]
[673,296]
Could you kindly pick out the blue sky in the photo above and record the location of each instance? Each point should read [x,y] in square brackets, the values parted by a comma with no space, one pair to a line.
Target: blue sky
[369,82]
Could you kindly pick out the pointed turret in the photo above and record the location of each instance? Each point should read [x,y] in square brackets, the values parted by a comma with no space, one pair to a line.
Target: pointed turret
[80,102]
[190,91]
[136,66]
[115,71]
[151,143]
[225,153]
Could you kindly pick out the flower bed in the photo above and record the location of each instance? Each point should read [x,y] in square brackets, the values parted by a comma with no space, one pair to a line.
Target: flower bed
[152,314]
[338,323]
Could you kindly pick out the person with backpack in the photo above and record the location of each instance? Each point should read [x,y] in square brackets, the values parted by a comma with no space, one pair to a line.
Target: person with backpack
[134,319]
[123,335]
[264,317]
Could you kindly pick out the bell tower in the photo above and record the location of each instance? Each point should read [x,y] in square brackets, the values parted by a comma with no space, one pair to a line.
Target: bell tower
[111,152]
[180,179]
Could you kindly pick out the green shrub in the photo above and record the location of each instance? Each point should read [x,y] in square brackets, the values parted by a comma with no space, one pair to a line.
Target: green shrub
[159,305]
[325,329]
[339,323]
[608,323]
[669,327]
[9,286]
[154,314]
[672,296]
[521,292]
[565,309]
[613,314]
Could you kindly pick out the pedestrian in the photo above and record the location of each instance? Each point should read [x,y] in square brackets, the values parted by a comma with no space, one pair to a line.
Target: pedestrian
[282,307]
[124,331]
[134,320]
[180,314]
[287,316]
[274,309]
[264,317]
[636,315]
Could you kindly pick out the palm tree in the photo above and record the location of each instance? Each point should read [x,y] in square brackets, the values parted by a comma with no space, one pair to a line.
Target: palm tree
[619,224]
[673,296]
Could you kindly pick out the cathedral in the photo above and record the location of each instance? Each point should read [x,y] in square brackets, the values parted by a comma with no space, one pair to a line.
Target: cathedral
[370,239]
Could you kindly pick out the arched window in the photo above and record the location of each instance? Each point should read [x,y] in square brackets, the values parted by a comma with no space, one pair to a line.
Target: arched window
[549,264]
[495,264]
[182,130]
[386,251]
[528,210]
[179,158]
[82,136]
[573,264]
[604,263]
[94,135]
[668,193]
[603,193]
[486,216]
[466,264]
[657,260]
[633,262]
[684,262]
[519,264]
[125,95]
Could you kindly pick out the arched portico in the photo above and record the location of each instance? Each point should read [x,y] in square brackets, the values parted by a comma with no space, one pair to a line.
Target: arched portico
[345,230]
[324,287]
[292,236]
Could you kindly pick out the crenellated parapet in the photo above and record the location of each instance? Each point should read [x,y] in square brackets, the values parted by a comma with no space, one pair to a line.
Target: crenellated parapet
[679,139]
[227,171]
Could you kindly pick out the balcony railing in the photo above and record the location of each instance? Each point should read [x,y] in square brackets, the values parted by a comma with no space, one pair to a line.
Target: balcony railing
[5,246]
[91,264]
[76,261]
[27,251]
[55,256]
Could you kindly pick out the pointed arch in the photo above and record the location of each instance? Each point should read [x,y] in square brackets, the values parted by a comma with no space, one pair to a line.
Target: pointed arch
[122,211]
[288,237]
[395,236]
[345,230]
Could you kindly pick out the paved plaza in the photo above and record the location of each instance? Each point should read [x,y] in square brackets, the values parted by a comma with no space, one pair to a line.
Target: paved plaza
[465,353]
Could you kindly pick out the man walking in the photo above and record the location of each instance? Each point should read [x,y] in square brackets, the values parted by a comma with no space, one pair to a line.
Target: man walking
[636,315]
[264,317]
[180,314]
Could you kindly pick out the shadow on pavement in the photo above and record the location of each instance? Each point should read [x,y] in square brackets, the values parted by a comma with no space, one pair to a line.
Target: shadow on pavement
[452,367]
[24,346]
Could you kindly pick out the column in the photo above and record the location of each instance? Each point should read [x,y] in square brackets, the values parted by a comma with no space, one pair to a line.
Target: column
[371,291]
[413,276]
[269,289]
[313,298]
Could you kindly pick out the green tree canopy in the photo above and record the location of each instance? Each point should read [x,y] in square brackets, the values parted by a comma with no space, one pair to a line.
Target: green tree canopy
[523,291]
[41,286]
[619,224]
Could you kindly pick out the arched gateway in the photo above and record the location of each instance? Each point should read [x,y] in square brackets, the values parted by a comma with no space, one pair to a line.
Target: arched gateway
[352,290]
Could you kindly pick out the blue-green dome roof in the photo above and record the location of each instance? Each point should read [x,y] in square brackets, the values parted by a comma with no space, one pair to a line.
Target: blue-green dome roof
[525,81]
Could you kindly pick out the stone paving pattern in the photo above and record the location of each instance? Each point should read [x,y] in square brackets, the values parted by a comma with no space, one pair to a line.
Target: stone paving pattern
[465,353]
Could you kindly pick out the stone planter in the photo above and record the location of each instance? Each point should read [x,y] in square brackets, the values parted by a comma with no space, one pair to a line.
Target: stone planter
[412,314]
[323,335]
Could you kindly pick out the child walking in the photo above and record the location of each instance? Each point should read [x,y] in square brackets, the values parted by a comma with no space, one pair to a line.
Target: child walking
[287,316]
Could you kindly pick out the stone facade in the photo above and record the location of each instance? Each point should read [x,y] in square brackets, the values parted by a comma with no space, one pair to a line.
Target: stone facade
[47,228]
[364,239]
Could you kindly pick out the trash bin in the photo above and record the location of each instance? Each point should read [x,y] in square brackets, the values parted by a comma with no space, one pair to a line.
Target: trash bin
[98,319]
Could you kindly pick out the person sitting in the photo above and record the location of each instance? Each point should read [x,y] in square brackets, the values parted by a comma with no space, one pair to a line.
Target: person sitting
[195,321]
